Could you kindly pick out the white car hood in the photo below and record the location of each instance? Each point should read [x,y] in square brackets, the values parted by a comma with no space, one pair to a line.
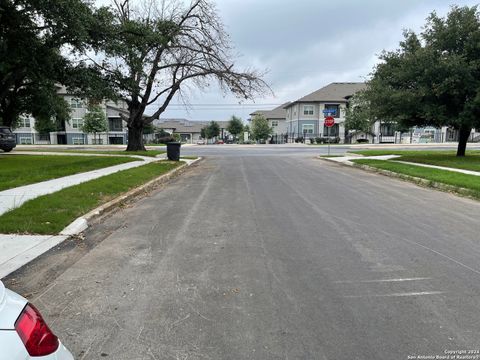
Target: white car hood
[11,305]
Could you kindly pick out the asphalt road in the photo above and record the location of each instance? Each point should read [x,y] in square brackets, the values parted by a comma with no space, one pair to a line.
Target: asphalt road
[257,256]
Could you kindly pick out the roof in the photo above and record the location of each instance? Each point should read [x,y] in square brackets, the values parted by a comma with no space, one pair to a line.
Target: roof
[277,113]
[335,92]
[186,126]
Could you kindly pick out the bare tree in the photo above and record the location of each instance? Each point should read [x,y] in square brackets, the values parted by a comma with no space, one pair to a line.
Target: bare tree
[153,51]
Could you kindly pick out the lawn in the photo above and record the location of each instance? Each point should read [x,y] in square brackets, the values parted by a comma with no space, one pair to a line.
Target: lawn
[150,153]
[469,182]
[49,214]
[19,170]
[439,158]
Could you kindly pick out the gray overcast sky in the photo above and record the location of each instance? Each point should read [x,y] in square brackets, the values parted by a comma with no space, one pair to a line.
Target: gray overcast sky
[306,44]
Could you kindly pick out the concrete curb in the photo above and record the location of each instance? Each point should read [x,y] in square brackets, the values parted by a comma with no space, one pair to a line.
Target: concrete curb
[81,224]
[412,179]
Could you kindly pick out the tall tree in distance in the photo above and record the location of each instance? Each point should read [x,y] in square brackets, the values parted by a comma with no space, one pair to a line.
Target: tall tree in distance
[260,129]
[213,130]
[235,126]
[434,77]
[95,121]
[151,52]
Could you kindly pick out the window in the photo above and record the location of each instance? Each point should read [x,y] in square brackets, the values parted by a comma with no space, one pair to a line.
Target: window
[25,140]
[307,109]
[387,129]
[334,108]
[115,124]
[333,131]
[43,137]
[77,123]
[274,123]
[308,128]
[76,103]
[78,140]
[25,122]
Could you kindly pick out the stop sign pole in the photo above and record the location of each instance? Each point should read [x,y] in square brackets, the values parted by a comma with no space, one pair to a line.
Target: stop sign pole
[329,122]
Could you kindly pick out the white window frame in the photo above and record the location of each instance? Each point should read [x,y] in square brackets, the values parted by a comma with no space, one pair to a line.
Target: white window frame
[26,140]
[274,123]
[25,122]
[76,103]
[308,110]
[308,127]
[77,123]
[78,140]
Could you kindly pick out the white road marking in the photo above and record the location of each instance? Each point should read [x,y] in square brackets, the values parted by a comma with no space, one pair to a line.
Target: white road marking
[422,293]
[381,280]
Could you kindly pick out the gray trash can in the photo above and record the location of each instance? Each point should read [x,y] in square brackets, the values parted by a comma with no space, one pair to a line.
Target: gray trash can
[173,151]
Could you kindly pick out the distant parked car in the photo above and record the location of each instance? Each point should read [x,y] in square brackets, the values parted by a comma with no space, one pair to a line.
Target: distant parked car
[7,139]
[200,142]
[24,335]
[219,142]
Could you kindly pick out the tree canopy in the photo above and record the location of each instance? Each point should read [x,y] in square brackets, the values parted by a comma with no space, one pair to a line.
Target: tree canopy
[210,131]
[260,128]
[34,38]
[153,51]
[95,120]
[235,126]
[434,77]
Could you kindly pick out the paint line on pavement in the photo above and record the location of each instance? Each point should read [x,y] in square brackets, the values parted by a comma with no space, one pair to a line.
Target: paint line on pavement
[381,280]
[421,293]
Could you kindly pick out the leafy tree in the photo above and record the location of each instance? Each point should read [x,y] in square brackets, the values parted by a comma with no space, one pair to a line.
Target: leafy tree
[212,130]
[359,115]
[261,130]
[149,129]
[35,38]
[434,77]
[152,52]
[204,132]
[94,121]
[235,126]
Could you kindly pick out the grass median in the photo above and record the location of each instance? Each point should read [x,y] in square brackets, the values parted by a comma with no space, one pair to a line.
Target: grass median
[49,214]
[438,158]
[19,170]
[149,153]
[458,180]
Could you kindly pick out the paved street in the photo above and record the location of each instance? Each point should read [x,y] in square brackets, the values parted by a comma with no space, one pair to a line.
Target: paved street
[252,255]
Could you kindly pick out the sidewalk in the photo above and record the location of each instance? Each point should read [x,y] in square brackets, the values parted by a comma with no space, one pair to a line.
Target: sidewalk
[18,250]
[13,198]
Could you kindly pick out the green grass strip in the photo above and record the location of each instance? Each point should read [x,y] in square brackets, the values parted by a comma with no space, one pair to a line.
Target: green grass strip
[19,170]
[438,158]
[458,180]
[49,214]
[149,153]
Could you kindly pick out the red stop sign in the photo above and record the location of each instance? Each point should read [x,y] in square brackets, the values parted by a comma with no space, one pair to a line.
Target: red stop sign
[329,121]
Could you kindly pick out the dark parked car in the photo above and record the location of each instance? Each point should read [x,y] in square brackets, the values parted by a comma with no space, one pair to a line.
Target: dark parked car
[7,139]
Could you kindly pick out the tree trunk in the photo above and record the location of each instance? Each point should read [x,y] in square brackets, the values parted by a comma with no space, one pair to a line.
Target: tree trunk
[464,134]
[135,128]
[135,138]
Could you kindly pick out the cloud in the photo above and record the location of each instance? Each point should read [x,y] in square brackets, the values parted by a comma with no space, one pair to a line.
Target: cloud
[306,44]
